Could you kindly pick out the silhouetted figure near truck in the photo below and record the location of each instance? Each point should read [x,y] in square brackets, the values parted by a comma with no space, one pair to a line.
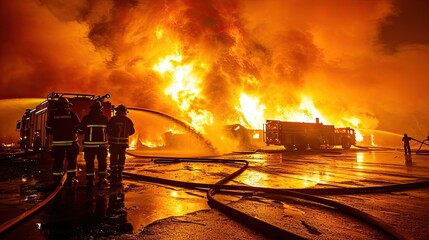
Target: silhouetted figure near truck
[119,129]
[63,125]
[407,147]
[94,127]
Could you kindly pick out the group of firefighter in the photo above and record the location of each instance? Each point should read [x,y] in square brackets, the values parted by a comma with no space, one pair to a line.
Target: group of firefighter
[99,133]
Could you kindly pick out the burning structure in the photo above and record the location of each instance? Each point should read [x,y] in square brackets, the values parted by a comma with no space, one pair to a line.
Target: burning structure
[215,63]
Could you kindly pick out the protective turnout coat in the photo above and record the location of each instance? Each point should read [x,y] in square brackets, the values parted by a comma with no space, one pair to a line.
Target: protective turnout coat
[94,126]
[63,125]
[119,129]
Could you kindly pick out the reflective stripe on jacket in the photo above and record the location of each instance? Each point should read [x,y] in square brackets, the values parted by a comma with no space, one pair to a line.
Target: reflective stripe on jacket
[62,143]
[120,127]
[94,127]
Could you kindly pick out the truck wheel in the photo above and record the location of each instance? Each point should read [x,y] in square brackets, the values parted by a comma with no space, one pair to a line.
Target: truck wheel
[346,144]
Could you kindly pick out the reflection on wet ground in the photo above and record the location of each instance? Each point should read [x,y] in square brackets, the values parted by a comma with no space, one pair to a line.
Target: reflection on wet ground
[277,170]
[19,179]
[80,214]
[131,210]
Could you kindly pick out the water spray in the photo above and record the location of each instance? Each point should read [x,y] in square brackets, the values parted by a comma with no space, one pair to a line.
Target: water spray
[188,128]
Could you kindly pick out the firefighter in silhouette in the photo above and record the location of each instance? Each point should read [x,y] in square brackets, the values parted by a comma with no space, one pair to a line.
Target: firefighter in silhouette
[119,129]
[94,126]
[63,125]
[406,141]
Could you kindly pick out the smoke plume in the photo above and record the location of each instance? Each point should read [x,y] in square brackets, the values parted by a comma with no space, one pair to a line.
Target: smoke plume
[344,55]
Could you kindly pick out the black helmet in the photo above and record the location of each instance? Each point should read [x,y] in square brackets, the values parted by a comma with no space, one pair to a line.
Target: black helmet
[121,109]
[96,105]
[62,101]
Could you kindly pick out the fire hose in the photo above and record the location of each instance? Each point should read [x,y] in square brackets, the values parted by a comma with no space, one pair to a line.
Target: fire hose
[421,144]
[307,194]
[14,221]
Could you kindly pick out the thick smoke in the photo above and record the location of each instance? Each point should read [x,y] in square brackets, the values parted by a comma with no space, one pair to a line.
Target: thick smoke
[276,50]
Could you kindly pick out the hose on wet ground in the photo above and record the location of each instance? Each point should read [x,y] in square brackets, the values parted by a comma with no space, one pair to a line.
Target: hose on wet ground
[8,225]
[307,194]
[269,229]
[266,228]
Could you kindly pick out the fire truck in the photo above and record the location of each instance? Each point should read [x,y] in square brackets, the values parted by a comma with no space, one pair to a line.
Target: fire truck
[32,126]
[301,135]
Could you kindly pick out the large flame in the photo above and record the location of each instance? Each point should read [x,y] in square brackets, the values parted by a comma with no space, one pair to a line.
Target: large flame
[212,63]
[183,82]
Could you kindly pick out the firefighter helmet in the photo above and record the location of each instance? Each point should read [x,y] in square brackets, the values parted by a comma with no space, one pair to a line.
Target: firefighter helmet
[62,101]
[121,109]
[96,105]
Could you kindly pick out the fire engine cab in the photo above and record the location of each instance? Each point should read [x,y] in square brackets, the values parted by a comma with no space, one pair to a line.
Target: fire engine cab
[301,135]
[32,126]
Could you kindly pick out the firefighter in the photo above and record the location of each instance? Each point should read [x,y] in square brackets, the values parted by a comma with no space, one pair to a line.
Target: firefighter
[63,125]
[120,127]
[94,126]
[406,141]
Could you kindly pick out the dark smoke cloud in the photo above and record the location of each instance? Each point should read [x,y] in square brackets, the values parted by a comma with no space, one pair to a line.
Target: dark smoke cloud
[406,26]
[333,51]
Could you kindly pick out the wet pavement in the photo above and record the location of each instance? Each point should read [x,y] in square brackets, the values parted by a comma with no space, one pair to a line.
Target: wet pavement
[143,210]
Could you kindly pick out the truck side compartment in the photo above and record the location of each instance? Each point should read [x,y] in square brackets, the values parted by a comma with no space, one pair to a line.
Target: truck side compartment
[301,135]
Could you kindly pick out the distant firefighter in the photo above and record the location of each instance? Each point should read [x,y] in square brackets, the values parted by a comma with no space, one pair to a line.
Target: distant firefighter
[406,141]
[119,129]
[63,125]
[94,127]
